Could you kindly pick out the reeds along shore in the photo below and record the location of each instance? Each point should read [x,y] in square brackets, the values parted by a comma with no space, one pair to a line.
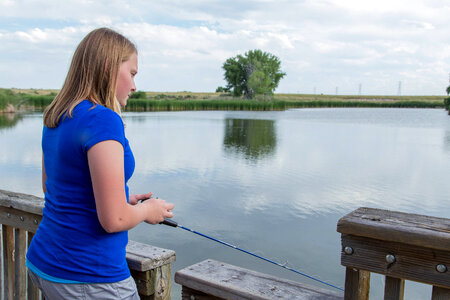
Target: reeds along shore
[180,101]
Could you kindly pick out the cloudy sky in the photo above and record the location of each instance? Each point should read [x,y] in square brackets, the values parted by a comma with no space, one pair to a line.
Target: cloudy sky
[325,46]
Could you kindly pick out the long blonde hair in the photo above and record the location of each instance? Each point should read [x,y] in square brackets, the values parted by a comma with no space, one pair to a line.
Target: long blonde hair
[92,74]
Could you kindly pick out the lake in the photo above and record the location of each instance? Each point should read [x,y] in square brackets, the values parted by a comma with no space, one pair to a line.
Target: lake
[274,183]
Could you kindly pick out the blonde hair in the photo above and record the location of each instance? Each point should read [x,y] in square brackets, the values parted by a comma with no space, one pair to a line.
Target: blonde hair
[92,74]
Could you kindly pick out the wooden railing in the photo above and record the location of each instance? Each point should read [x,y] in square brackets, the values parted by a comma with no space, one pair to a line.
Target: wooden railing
[20,215]
[398,245]
[212,280]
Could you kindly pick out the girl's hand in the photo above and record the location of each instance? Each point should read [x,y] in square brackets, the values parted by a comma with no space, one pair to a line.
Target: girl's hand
[157,210]
[134,199]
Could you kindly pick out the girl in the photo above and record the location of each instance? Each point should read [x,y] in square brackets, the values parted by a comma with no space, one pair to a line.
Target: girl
[78,251]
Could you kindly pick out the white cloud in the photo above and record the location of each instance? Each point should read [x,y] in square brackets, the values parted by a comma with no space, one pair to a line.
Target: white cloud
[184,44]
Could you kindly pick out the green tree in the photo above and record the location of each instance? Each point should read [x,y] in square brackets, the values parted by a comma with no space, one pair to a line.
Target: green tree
[448,90]
[256,72]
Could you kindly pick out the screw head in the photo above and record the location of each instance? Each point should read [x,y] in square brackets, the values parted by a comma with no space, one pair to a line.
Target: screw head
[441,268]
[9,215]
[348,250]
[35,221]
[390,258]
[21,219]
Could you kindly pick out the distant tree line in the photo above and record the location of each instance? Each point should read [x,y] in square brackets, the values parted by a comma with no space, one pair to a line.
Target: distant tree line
[447,100]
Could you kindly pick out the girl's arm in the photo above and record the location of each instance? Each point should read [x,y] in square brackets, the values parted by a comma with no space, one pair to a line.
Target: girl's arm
[106,167]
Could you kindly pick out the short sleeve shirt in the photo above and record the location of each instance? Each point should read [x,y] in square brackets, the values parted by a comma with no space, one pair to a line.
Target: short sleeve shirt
[70,242]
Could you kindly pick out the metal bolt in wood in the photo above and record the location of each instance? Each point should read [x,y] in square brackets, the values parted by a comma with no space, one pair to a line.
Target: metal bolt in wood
[441,268]
[390,258]
[348,250]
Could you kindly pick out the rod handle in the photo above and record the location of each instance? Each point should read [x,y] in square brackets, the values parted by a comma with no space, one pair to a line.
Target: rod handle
[169,222]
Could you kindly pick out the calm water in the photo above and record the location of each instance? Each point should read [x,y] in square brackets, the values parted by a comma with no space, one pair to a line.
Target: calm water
[274,183]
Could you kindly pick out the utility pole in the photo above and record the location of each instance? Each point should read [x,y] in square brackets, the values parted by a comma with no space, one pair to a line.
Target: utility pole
[399,88]
[359,90]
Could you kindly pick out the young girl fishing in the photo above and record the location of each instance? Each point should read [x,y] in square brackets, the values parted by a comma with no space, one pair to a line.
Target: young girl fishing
[78,251]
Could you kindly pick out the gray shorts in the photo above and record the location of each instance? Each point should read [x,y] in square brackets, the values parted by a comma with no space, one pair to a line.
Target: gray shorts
[125,289]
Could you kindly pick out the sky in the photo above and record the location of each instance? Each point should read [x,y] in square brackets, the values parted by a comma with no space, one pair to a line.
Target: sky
[345,47]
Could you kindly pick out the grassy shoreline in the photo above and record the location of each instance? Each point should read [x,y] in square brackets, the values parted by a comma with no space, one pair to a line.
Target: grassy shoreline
[37,100]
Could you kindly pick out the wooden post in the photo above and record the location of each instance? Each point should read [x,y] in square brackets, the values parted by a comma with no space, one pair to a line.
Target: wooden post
[394,288]
[357,284]
[20,237]
[151,269]
[440,293]
[8,261]
[32,290]
[1,262]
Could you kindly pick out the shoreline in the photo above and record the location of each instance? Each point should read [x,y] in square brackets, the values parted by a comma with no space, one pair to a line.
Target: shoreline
[17,100]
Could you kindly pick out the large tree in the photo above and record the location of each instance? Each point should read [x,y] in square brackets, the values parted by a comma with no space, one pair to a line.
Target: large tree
[255,72]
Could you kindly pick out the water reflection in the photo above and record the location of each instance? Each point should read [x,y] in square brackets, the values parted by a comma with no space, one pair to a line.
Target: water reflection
[250,138]
[9,120]
[447,141]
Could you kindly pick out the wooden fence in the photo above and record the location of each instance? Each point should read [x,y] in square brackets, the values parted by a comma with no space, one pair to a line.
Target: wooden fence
[398,245]
[20,215]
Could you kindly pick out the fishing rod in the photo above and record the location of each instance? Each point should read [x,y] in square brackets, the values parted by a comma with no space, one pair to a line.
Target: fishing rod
[172,223]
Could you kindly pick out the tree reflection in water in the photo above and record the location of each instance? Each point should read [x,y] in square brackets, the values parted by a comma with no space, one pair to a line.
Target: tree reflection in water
[252,139]
[9,120]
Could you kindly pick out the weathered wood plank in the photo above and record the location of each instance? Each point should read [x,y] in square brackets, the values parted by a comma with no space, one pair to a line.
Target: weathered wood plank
[156,282]
[163,282]
[440,293]
[8,261]
[32,290]
[189,294]
[145,283]
[394,288]
[1,263]
[418,230]
[20,238]
[143,257]
[411,262]
[19,219]
[357,284]
[23,202]
[230,282]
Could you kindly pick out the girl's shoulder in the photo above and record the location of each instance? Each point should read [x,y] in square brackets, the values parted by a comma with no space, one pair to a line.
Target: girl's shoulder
[92,111]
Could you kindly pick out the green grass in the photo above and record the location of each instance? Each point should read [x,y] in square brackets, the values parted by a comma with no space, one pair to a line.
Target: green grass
[274,104]
[7,97]
[157,101]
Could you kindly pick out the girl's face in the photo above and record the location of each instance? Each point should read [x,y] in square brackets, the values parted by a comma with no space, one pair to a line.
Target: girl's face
[125,81]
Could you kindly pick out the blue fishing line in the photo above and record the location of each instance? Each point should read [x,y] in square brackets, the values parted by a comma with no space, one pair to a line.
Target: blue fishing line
[174,224]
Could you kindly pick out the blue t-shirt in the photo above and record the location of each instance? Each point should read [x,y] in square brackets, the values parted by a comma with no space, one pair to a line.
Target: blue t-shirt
[70,242]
